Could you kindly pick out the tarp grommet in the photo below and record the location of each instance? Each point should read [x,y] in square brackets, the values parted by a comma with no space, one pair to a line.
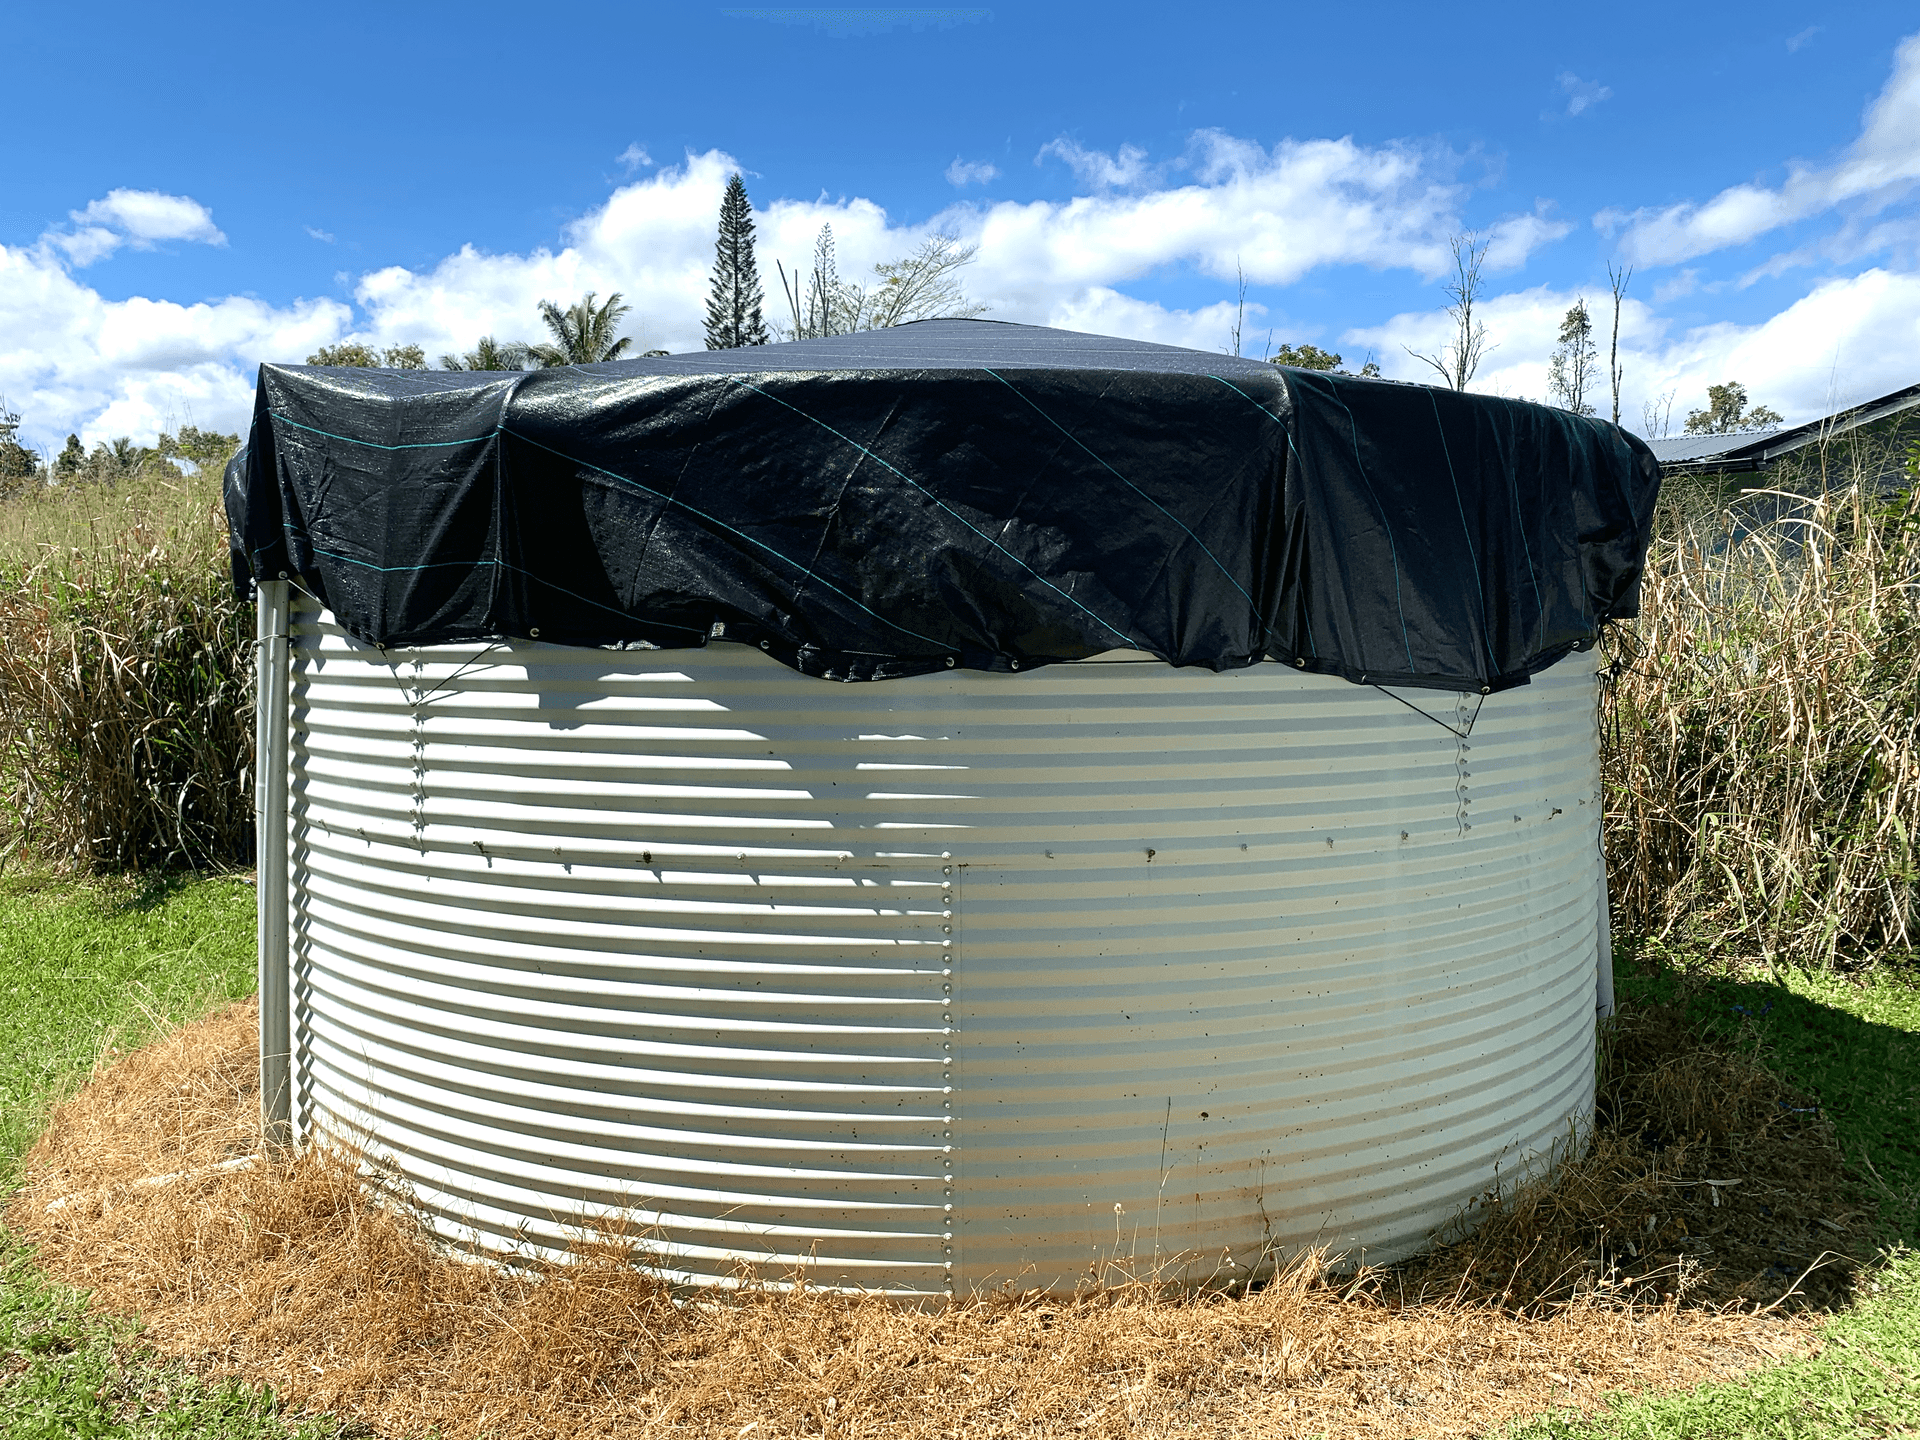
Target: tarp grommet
[951,662]
[534,633]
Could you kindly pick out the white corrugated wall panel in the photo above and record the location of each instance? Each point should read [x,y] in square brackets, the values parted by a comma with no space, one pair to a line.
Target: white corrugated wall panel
[916,981]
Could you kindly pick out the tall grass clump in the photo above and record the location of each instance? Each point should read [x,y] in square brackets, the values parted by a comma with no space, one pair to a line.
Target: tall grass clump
[126,709]
[1762,728]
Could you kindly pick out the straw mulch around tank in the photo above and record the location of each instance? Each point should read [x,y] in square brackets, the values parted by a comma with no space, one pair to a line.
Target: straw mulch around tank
[1624,1274]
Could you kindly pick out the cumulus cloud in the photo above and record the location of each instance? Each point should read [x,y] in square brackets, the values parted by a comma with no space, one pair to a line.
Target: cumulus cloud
[1278,213]
[962,173]
[635,157]
[1881,165]
[72,360]
[1582,95]
[1844,341]
[138,218]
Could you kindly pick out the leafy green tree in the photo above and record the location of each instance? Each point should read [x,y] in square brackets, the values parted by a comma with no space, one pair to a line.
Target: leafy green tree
[582,333]
[1312,357]
[1727,413]
[353,353]
[735,315]
[204,450]
[489,354]
[71,460]
[1305,357]
[19,466]
[1570,374]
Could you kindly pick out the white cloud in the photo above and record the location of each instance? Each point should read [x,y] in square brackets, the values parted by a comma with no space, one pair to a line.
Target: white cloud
[1102,311]
[139,218]
[1510,241]
[71,360]
[84,246]
[147,215]
[1683,283]
[1278,212]
[325,237]
[1803,38]
[1582,95]
[1097,168]
[634,157]
[1880,166]
[1846,340]
[962,173]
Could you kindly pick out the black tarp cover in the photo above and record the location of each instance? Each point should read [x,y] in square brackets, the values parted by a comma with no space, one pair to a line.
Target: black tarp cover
[953,493]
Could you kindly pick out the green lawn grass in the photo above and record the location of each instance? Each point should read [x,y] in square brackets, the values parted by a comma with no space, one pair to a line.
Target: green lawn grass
[1854,1047]
[86,966]
[1864,1382]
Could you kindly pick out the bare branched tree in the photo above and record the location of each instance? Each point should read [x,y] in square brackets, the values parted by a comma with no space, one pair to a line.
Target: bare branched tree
[1459,360]
[1240,314]
[1656,416]
[1618,279]
[920,286]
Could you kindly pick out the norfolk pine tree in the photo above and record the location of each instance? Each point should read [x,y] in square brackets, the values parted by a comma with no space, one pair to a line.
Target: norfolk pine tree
[734,317]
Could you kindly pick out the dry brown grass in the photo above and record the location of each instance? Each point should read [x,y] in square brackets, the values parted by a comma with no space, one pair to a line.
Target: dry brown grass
[293,1274]
[126,674]
[1763,730]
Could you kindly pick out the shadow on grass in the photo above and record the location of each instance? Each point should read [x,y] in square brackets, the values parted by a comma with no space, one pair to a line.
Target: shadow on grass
[150,890]
[1753,1146]
[1862,1074]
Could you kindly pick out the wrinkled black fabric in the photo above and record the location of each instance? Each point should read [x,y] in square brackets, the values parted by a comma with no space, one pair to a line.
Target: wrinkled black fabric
[953,493]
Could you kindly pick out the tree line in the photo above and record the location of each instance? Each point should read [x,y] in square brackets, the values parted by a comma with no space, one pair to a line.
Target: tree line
[111,463]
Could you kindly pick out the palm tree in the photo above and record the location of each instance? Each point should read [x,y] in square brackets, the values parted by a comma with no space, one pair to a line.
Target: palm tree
[489,354]
[583,333]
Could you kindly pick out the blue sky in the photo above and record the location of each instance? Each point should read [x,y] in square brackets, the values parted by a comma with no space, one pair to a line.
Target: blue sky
[192,192]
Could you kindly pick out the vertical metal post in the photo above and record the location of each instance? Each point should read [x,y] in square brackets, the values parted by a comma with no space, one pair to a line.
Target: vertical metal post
[270,870]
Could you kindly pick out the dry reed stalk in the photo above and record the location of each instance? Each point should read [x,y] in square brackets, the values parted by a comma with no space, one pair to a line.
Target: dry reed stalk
[293,1274]
[1762,724]
[125,682]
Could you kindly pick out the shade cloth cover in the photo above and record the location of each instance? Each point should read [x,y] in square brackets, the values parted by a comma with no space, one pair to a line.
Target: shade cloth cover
[952,493]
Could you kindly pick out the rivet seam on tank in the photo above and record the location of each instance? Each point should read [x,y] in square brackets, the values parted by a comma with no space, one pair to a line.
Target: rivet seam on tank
[1462,811]
[419,726]
[946,1063]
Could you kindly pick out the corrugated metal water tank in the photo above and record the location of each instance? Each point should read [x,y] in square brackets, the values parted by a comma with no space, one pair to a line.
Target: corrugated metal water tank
[939,983]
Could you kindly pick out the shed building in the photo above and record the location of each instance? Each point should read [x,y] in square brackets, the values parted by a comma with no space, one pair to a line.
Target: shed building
[1203,863]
